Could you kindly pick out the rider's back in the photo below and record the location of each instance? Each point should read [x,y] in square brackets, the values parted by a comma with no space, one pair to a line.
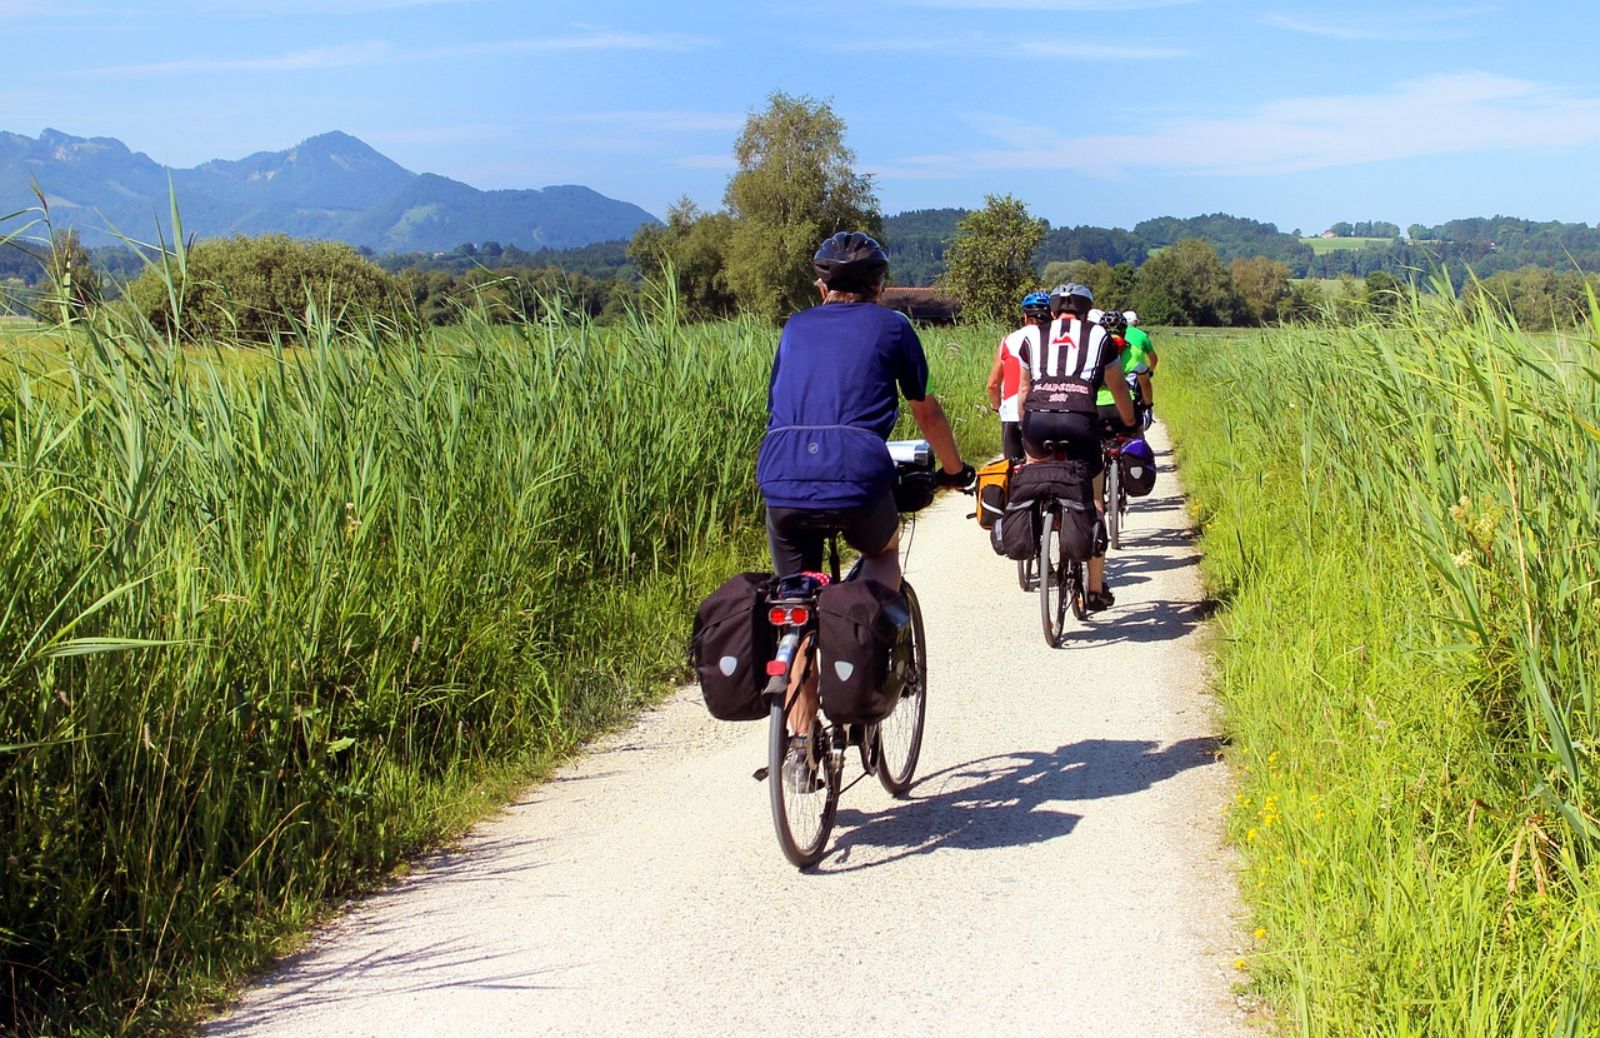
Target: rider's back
[833,403]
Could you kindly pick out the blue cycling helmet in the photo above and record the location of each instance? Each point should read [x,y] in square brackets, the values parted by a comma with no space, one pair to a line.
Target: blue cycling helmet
[1036,303]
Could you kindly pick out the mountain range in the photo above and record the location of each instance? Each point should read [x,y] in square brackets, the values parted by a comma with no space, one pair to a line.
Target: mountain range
[332,186]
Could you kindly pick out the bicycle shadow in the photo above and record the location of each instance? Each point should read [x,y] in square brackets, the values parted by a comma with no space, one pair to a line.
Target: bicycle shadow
[1008,800]
[1143,624]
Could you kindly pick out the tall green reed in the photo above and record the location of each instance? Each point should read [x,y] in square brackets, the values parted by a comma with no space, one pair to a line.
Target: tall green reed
[1400,516]
[267,615]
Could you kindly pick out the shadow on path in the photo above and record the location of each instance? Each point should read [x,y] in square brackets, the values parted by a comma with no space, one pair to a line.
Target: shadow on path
[1008,800]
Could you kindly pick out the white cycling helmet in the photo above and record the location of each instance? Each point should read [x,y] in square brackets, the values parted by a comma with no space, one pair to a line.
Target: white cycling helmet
[1094,315]
[1131,317]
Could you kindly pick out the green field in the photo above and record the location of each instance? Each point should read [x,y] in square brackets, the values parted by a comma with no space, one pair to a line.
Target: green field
[1321,245]
[1399,522]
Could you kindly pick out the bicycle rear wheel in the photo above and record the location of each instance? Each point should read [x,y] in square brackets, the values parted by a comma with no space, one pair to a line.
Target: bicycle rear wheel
[802,817]
[900,734]
[1113,502]
[1076,589]
[1052,580]
[1027,573]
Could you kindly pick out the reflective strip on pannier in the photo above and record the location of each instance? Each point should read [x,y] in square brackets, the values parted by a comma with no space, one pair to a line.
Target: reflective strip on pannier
[993,480]
[864,642]
[732,643]
[1016,532]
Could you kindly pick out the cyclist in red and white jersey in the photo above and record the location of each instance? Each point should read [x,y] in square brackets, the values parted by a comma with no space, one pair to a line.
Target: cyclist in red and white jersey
[1005,376]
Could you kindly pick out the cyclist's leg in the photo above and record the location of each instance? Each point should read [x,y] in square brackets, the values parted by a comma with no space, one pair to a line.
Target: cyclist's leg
[874,531]
[1086,449]
[796,547]
[1011,441]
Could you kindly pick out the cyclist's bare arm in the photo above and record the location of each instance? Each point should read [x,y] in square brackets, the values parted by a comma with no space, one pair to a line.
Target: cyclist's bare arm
[995,376]
[936,430]
[1147,389]
[1119,392]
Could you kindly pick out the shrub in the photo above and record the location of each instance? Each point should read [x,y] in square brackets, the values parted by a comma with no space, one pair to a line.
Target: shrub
[257,288]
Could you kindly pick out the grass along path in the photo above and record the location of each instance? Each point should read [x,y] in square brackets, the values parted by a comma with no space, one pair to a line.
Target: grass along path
[1401,522]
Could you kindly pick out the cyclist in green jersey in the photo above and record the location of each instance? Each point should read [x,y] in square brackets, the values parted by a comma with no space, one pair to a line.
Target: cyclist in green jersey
[1132,362]
[1144,359]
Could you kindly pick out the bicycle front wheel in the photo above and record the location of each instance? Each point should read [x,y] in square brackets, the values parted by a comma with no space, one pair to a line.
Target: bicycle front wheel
[802,813]
[1113,503]
[900,734]
[1052,580]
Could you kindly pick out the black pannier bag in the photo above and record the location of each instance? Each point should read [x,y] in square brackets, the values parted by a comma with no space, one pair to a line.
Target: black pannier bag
[865,645]
[732,644]
[1068,482]
[1016,533]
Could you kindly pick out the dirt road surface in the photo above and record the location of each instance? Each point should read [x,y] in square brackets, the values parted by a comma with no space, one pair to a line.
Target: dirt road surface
[1058,868]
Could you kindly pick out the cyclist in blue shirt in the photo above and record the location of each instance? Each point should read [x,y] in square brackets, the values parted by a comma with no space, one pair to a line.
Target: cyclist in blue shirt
[824,465]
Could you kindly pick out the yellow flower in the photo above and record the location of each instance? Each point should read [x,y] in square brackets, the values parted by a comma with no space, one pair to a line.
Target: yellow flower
[1251,836]
[1238,964]
[1261,931]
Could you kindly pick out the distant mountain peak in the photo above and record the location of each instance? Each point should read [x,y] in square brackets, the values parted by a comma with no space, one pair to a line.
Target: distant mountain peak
[331,185]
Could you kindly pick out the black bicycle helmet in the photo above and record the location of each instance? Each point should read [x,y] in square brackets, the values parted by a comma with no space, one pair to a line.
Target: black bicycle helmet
[1113,322]
[850,262]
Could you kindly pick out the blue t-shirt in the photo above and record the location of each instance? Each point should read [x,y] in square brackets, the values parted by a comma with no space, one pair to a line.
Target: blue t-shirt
[832,404]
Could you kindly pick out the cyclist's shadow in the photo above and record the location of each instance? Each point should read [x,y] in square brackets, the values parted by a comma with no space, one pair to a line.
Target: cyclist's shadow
[1010,800]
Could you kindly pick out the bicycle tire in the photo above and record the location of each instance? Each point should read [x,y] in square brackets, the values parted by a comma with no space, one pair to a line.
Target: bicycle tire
[1025,573]
[811,813]
[1113,508]
[1052,580]
[1077,590]
[899,735]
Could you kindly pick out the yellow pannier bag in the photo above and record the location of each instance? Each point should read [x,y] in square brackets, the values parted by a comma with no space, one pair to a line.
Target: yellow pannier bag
[994,485]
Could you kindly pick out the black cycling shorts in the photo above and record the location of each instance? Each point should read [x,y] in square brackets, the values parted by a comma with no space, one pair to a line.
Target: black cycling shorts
[1111,422]
[797,536]
[1080,433]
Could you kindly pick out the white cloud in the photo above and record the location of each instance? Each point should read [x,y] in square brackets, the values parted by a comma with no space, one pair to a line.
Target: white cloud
[723,163]
[977,45]
[350,54]
[278,7]
[339,56]
[1082,52]
[586,41]
[1048,5]
[1394,27]
[454,133]
[1440,115]
[656,121]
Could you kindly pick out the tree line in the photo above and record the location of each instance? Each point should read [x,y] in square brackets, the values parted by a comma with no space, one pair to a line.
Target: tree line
[794,184]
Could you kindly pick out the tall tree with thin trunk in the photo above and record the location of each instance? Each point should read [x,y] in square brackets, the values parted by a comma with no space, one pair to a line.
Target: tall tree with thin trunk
[795,186]
[989,265]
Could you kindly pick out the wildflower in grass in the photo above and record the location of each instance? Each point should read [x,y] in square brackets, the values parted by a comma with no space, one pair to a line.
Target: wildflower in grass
[1261,932]
[1238,964]
[1462,559]
[1251,836]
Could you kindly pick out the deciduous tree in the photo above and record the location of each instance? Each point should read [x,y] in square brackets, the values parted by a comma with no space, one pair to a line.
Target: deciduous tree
[795,186]
[989,265]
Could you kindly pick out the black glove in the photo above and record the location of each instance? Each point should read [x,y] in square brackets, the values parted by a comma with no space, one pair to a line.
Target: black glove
[963,479]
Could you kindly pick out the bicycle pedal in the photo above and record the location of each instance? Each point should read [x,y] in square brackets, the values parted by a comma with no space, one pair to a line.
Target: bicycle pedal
[760,775]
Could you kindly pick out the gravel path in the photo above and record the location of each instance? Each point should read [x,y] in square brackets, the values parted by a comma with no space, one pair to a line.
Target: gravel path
[1057,870]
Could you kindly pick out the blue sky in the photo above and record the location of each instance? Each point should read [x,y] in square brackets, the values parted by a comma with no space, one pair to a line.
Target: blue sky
[1092,111]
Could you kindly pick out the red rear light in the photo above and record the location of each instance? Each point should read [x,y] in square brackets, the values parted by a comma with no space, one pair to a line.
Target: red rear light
[776,669]
[782,616]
